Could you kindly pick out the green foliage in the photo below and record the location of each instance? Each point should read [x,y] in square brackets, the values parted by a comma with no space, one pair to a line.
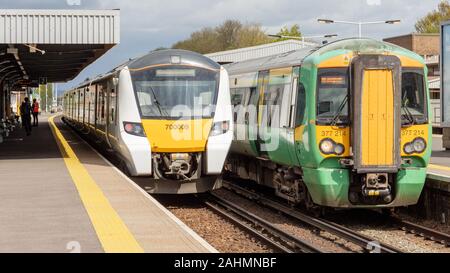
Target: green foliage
[432,21]
[294,31]
[232,34]
[46,100]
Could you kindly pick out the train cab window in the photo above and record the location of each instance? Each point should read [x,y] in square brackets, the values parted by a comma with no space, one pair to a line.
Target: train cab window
[301,104]
[333,96]
[413,97]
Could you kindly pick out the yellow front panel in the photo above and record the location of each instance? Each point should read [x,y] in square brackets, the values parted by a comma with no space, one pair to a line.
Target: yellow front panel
[337,134]
[169,136]
[377,118]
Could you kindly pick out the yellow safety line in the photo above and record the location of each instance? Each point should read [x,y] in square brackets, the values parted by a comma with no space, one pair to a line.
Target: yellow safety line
[112,232]
[438,167]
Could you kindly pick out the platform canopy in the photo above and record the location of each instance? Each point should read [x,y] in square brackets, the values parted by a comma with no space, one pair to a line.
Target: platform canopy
[53,45]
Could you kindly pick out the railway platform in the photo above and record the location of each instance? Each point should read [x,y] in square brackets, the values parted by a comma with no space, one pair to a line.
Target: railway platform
[59,195]
[439,168]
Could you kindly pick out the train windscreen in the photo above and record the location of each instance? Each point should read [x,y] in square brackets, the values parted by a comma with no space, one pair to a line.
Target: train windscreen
[176,92]
[414,107]
[332,96]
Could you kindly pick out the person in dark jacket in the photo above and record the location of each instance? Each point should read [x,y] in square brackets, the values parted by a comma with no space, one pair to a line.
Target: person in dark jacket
[25,113]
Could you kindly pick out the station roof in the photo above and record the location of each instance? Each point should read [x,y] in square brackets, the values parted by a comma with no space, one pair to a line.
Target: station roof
[255,52]
[55,45]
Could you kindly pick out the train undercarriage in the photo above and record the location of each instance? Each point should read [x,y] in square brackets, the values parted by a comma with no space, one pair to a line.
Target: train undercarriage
[362,190]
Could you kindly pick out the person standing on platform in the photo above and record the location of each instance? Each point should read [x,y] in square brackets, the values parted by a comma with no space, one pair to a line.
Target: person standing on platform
[35,108]
[25,112]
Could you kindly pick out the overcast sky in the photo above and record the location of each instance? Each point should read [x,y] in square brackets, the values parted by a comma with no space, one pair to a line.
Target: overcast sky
[149,24]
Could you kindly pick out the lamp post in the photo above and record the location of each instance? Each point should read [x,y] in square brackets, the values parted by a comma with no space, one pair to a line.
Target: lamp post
[303,38]
[359,24]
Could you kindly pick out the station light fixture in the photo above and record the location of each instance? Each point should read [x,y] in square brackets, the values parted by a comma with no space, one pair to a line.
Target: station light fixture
[393,22]
[325,21]
[359,24]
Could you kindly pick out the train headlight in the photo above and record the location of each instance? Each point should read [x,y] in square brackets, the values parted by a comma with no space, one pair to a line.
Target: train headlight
[418,146]
[339,149]
[133,128]
[408,149]
[327,146]
[220,128]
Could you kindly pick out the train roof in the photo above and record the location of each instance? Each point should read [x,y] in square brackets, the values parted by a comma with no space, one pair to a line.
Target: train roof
[165,57]
[159,57]
[296,57]
[291,58]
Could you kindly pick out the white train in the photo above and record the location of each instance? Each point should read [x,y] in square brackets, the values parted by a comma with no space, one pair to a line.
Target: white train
[166,115]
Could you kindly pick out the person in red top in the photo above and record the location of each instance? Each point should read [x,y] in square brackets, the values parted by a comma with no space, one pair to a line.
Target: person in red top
[35,110]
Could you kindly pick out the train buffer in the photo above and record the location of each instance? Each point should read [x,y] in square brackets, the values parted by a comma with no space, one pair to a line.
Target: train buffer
[59,195]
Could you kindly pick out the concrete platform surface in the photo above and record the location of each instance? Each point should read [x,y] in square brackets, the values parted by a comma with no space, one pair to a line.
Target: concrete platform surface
[59,195]
[439,169]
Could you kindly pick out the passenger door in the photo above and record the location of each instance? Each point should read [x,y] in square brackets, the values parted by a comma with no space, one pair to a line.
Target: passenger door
[262,132]
[112,106]
[280,135]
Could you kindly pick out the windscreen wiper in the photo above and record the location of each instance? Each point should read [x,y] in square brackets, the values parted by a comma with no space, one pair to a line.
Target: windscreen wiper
[338,115]
[156,101]
[409,115]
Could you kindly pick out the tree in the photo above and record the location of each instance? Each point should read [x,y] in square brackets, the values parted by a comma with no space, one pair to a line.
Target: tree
[46,100]
[432,21]
[202,41]
[293,31]
[232,34]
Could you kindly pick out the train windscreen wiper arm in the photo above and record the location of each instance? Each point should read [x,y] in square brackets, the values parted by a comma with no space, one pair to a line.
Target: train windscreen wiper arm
[339,112]
[409,115]
[156,101]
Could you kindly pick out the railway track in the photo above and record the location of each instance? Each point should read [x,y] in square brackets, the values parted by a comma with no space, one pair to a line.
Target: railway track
[258,227]
[421,231]
[365,242]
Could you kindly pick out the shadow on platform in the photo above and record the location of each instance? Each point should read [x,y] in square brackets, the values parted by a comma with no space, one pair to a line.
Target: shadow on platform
[40,145]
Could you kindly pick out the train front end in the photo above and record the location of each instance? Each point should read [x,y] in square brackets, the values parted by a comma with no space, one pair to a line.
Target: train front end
[185,116]
[369,132]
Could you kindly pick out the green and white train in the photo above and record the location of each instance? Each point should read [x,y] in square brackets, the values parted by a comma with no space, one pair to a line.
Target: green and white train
[345,125]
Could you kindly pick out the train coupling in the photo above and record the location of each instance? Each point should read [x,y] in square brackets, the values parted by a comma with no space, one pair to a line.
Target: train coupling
[377,185]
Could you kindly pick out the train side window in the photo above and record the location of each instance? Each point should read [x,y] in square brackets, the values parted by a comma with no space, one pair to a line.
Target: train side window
[237,96]
[277,104]
[272,101]
[112,106]
[102,109]
[294,95]
[254,97]
[301,104]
